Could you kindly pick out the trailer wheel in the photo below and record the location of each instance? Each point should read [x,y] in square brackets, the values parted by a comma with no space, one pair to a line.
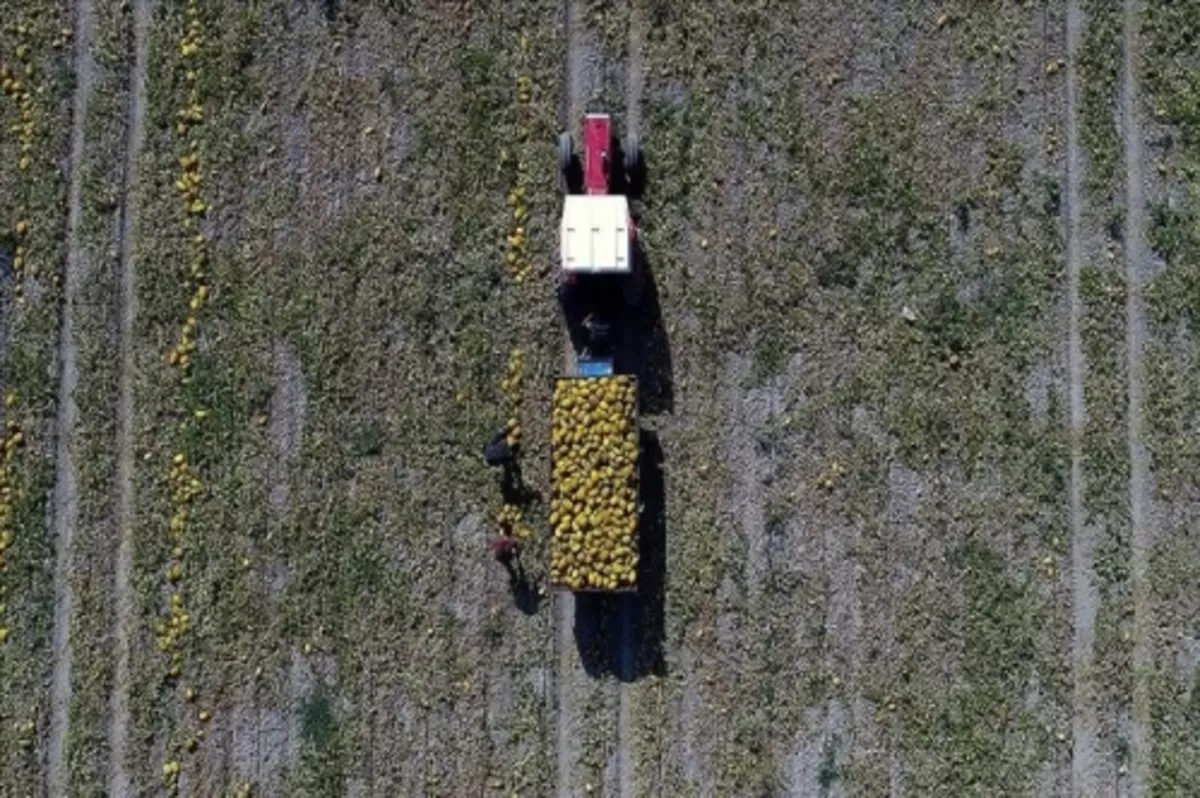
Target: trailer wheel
[567,163]
[635,165]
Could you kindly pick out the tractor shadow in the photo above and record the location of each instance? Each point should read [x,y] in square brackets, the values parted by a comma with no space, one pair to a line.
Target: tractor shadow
[648,354]
[622,634]
[651,348]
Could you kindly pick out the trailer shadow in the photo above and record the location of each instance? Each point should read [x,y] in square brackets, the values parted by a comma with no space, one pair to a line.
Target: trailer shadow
[622,634]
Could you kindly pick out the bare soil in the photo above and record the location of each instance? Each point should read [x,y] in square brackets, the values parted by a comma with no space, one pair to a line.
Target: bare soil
[65,507]
[1141,507]
[1085,599]
[123,589]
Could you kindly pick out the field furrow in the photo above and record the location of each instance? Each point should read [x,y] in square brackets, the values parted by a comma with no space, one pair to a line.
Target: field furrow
[65,511]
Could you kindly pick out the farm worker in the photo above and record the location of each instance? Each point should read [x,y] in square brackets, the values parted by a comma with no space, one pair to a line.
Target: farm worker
[598,331]
[497,452]
[505,548]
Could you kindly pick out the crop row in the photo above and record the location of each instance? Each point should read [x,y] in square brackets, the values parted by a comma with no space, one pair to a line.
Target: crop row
[185,484]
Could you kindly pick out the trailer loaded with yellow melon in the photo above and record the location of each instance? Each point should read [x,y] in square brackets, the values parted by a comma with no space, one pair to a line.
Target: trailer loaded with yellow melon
[594,484]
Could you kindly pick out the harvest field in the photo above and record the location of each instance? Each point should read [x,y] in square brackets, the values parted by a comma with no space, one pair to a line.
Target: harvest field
[919,384]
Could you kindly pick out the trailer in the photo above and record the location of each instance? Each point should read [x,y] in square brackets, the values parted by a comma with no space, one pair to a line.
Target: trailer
[594,490]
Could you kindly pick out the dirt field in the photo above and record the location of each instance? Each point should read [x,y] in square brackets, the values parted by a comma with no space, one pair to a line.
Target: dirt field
[920,371]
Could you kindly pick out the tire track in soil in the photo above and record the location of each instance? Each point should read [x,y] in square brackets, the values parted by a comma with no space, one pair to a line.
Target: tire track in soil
[628,626]
[118,776]
[65,507]
[565,683]
[567,677]
[1136,274]
[1085,595]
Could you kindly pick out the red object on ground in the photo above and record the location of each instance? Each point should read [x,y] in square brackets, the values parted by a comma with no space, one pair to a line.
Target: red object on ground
[597,141]
[504,548]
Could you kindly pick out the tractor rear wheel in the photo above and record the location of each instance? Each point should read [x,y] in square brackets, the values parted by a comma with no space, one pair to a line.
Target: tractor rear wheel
[635,165]
[567,163]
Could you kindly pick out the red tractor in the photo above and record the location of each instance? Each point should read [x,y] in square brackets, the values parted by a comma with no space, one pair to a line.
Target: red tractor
[600,276]
[606,166]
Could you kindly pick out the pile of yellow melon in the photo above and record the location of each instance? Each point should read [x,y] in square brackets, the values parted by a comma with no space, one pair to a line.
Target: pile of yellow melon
[593,506]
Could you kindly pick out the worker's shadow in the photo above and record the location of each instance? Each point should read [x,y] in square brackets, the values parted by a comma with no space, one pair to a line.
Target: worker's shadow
[523,588]
[513,487]
[516,491]
[623,633]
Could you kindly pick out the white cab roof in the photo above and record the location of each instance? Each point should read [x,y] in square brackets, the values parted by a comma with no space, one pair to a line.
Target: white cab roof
[595,233]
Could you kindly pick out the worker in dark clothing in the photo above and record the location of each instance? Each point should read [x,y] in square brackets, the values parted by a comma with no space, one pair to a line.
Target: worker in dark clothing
[497,452]
[508,553]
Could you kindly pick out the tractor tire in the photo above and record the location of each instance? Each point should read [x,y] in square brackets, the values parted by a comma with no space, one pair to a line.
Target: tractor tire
[632,147]
[635,165]
[567,163]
